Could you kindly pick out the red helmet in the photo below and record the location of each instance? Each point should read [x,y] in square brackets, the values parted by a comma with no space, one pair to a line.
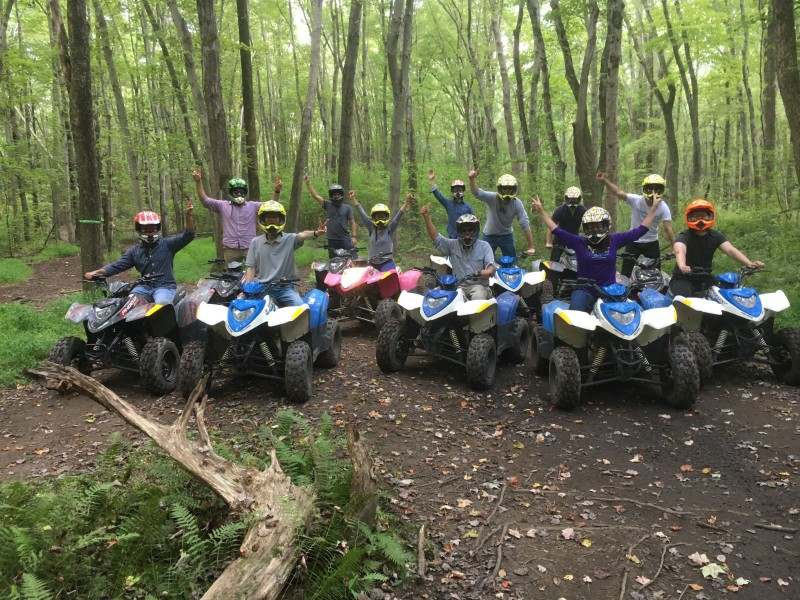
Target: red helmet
[148,226]
[700,215]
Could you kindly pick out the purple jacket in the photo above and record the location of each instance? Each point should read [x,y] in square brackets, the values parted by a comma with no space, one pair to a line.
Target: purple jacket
[600,267]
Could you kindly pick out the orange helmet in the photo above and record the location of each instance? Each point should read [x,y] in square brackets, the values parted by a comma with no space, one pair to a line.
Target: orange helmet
[700,215]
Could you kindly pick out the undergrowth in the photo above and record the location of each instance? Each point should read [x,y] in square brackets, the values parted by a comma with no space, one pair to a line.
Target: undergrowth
[140,527]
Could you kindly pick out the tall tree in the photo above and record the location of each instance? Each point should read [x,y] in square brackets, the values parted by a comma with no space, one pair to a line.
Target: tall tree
[609,90]
[788,73]
[399,59]
[349,94]
[248,101]
[81,110]
[301,159]
[516,166]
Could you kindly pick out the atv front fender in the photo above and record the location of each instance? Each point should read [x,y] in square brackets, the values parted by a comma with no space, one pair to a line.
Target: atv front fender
[293,320]
[482,314]
[690,311]
[78,312]
[774,301]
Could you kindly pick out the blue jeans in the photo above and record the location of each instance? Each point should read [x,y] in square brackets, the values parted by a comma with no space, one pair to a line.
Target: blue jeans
[158,295]
[334,244]
[582,300]
[285,295]
[503,241]
[387,266]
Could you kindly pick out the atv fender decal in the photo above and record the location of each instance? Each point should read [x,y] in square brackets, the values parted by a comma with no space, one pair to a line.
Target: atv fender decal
[775,301]
[153,309]
[698,304]
[575,318]
[286,314]
[78,312]
[475,306]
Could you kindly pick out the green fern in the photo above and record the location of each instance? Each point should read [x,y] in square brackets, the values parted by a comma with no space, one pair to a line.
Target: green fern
[32,588]
[194,545]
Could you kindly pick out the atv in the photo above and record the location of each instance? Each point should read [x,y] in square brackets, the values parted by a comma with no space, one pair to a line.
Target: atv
[125,331]
[252,336]
[443,324]
[526,284]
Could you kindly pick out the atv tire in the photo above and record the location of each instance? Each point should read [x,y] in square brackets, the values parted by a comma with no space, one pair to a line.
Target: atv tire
[698,344]
[330,357]
[387,310]
[481,362]
[518,352]
[391,349]
[680,377]
[541,364]
[69,351]
[192,365]
[299,375]
[787,353]
[547,294]
[565,378]
[159,365]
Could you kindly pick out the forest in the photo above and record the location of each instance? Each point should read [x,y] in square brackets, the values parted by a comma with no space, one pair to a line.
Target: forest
[108,105]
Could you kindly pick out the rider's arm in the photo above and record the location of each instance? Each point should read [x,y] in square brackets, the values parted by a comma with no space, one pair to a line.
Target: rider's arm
[473,186]
[679,250]
[276,194]
[539,209]
[738,256]
[249,274]
[548,239]
[667,225]
[313,233]
[648,220]
[312,191]
[612,187]
[429,224]
[353,229]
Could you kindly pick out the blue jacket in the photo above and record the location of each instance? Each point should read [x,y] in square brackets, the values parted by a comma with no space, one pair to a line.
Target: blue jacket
[454,210]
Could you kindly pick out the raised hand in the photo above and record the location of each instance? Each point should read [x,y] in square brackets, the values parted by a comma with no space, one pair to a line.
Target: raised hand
[473,173]
[197,174]
[431,175]
[425,211]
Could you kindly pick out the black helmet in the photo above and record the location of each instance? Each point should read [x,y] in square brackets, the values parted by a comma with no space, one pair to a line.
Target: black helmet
[336,194]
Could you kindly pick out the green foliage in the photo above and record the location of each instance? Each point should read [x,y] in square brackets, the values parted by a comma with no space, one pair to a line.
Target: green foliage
[142,527]
[13,270]
[29,334]
[52,251]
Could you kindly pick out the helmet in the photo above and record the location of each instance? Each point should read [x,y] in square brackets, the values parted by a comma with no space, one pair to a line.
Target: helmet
[380,215]
[573,195]
[653,183]
[237,188]
[458,188]
[148,226]
[506,187]
[270,209]
[467,227]
[336,194]
[596,223]
[700,215]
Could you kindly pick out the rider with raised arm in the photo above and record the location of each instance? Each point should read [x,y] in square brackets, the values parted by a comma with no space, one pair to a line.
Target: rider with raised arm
[502,207]
[695,248]
[468,254]
[455,207]
[567,216]
[271,255]
[153,255]
[653,186]
[380,227]
[596,251]
[341,222]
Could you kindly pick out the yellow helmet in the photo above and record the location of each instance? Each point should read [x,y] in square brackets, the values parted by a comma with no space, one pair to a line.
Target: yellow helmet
[653,183]
[380,214]
[271,208]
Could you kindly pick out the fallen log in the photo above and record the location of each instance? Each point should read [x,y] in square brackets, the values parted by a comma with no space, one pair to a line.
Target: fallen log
[268,553]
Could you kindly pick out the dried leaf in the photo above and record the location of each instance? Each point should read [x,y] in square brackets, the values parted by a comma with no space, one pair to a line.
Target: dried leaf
[712,570]
[568,533]
[642,580]
[514,533]
[698,559]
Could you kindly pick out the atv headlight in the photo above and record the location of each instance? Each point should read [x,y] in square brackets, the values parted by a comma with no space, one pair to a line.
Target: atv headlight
[242,315]
[512,277]
[101,313]
[625,318]
[746,301]
[435,302]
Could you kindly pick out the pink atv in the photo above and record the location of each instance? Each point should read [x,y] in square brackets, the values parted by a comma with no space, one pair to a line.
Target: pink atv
[369,295]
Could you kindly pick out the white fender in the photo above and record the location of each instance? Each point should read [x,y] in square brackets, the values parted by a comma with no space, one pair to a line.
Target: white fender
[410,300]
[690,311]
[574,326]
[482,314]
[285,315]
[474,307]
[294,321]
[774,301]
[660,318]
[212,314]
[577,318]
[534,277]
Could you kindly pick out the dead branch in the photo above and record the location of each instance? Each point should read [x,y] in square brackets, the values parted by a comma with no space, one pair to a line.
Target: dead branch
[772,527]
[364,485]
[421,552]
[645,505]
[497,506]
[267,555]
[498,559]
[661,564]
[627,568]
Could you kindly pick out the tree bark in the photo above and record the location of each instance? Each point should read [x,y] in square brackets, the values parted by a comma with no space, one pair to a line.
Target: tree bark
[398,59]
[349,94]
[248,101]
[768,94]
[609,89]
[82,116]
[520,96]
[788,73]
[516,165]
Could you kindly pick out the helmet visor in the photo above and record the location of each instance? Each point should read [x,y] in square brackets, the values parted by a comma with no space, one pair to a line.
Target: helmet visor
[649,189]
[468,230]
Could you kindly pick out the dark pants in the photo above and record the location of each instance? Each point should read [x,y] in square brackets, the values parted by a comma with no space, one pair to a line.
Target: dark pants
[649,249]
[556,253]
[336,244]
[582,299]
[688,288]
[386,266]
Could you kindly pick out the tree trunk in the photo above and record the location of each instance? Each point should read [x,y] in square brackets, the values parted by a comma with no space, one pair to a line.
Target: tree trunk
[516,165]
[82,121]
[400,28]
[301,161]
[248,102]
[122,111]
[349,94]
[609,89]
[768,94]
[520,96]
[365,121]
[788,73]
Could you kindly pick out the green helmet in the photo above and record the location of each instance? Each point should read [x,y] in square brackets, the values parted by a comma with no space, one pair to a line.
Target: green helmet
[237,188]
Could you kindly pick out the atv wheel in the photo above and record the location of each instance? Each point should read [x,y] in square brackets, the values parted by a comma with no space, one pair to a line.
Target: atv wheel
[698,344]
[481,361]
[541,364]
[192,364]
[299,372]
[565,378]
[520,334]
[159,365]
[391,349]
[787,354]
[330,358]
[547,293]
[387,310]
[680,379]
[69,351]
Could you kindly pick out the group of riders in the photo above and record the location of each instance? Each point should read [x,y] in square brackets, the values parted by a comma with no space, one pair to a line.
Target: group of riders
[270,257]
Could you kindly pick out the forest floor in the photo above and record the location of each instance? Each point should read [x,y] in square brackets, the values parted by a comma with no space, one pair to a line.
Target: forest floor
[621,498]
